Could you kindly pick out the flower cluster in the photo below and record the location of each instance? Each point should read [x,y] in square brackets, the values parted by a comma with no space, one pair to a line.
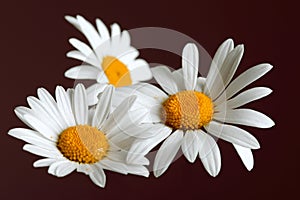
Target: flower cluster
[114,123]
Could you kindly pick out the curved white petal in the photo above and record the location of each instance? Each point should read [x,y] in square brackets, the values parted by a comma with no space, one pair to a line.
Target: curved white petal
[83,48]
[103,107]
[245,155]
[80,56]
[226,72]
[209,153]
[138,170]
[64,168]
[89,32]
[93,91]
[41,113]
[80,105]
[190,145]
[178,78]
[41,152]
[103,31]
[32,137]
[118,114]
[190,65]
[217,62]
[140,71]
[164,78]
[246,78]
[141,147]
[82,72]
[44,162]
[200,84]
[64,106]
[73,21]
[50,105]
[248,96]
[167,153]
[113,166]
[232,134]
[98,176]
[246,117]
[42,128]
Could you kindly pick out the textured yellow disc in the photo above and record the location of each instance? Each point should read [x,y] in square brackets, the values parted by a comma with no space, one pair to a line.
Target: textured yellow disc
[187,110]
[83,144]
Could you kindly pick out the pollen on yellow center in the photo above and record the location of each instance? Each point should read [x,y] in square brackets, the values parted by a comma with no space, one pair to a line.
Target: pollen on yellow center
[187,110]
[116,72]
[83,144]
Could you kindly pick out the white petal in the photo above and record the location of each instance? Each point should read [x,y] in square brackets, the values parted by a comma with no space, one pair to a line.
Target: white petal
[164,78]
[217,62]
[178,78]
[114,166]
[140,71]
[232,134]
[103,107]
[89,31]
[190,65]
[20,111]
[127,126]
[83,48]
[64,106]
[246,156]
[42,128]
[41,113]
[200,84]
[93,91]
[73,21]
[80,56]
[209,154]
[50,105]
[40,151]
[61,168]
[102,29]
[222,52]
[117,117]
[98,176]
[138,170]
[246,117]
[190,145]
[32,137]
[82,72]
[246,78]
[226,71]
[167,153]
[248,96]
[64,168]
[80,105]
[141,147]
[44,162]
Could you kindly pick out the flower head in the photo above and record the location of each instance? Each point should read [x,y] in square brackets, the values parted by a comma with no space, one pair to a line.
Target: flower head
[72,137]
[110,59]
[197,110]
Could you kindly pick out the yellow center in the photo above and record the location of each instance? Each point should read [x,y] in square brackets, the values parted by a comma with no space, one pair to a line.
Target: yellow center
[117,73]
[187,110]
[83,144]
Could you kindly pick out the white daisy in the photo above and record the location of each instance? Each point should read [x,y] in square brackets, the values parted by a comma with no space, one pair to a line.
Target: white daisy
[110,58]
[194,110]
[71,137]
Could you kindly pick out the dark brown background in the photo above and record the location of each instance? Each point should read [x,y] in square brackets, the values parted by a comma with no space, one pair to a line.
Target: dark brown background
[33,46]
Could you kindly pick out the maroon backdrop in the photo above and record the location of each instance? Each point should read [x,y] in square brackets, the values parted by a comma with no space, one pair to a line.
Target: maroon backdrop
[34,38]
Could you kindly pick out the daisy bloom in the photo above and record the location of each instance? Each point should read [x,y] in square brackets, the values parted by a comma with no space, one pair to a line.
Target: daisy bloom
[110,58]
[71,137]
[195,110]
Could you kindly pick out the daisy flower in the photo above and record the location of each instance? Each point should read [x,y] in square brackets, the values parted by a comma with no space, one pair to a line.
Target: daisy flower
[196,111]
[110,58]
[71,137]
